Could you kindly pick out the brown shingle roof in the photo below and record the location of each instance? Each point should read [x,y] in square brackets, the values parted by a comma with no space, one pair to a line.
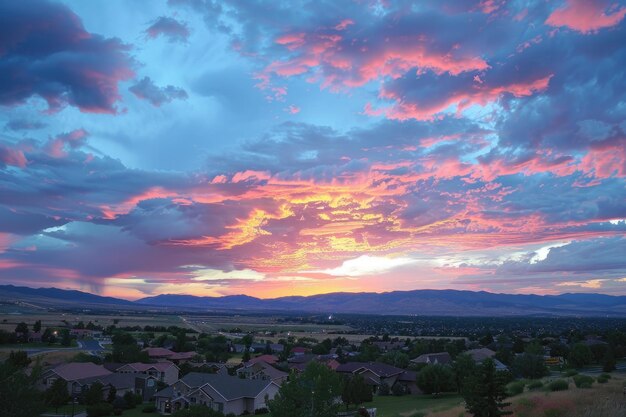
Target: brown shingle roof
[75,370]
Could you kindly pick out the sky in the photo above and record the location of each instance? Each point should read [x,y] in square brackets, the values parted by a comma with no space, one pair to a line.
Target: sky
[276,148]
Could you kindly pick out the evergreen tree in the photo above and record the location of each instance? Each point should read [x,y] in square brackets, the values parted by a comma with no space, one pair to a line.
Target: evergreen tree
[310,394]
[463,367]
[355,391]
[37,326]
[435,379]
[18,392]
[608,362]
[484,392]
[22,329]
[112,394]
[56,395]
[94,394]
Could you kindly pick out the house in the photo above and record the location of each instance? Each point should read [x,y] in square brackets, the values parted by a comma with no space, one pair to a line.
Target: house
[480,354]
[143,385]
[82,333]
[160,354]
[271,359]
[262,370]
[441,358]
[377,374]
[76,375]
[298,350]
[389,346]
[165,372]
[277,347]
[224,393]
[34,337]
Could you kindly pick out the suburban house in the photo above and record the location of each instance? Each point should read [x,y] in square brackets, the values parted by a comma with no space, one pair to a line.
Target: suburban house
[299,362]
[84,333]
[76,375]
[377,374]
[143,385]
[160,354]
[224,393]
[262,370]
[165,372]
[271,359]
[441,358]
[479,355]
[389,346]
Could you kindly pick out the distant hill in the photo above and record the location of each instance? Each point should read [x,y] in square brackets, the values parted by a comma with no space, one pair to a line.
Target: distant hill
[418,302]
[57,297]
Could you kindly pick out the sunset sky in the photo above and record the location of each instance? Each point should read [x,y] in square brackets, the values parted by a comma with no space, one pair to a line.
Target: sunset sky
[292,148]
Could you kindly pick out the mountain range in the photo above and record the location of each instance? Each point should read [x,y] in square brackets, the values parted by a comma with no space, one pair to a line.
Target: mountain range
[417,302]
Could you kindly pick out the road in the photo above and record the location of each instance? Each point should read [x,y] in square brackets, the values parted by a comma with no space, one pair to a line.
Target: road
[92,347]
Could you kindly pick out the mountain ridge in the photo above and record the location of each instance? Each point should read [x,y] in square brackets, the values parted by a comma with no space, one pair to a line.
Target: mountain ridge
[447,302]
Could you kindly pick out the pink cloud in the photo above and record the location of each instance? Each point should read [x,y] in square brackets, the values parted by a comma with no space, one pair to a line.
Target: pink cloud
[587,16]
[12,156]
[478,94]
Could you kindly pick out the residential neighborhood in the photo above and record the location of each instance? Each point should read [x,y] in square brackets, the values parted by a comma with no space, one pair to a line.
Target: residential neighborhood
[177,369]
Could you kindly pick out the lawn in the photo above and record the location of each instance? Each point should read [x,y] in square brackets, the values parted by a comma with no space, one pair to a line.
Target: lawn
[66,409]
[136,412]
[411,405]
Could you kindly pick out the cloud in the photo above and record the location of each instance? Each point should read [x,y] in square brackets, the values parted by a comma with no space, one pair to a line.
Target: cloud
[587,16]
[368,265]
[170,28]
[23,124]
[47,53]
[146,90]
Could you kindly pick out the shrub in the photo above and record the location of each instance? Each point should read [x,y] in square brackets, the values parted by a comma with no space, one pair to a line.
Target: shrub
[536,384]
[262,410]
[99,410]
[602,380]
[605,376]
[515,388]
[583,381]
[558,385]
[150,408]
[571,372]
[117,412]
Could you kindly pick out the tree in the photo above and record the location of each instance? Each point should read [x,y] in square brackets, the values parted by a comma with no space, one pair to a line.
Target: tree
[396,358]
[48,336]
[66,340]
[246,355]
[19,393]
[18,359]
[56,395]
[484,392]
[355,391]
[112,394]
[126,350]
[22,329]
[313,393]
[37,326]
[435,379]
[129,399]
[528,365]
[608,362]
[94,394]
[463,367]
[580,355]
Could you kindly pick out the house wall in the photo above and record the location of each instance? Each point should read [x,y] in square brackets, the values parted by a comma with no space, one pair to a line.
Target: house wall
[170,375]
